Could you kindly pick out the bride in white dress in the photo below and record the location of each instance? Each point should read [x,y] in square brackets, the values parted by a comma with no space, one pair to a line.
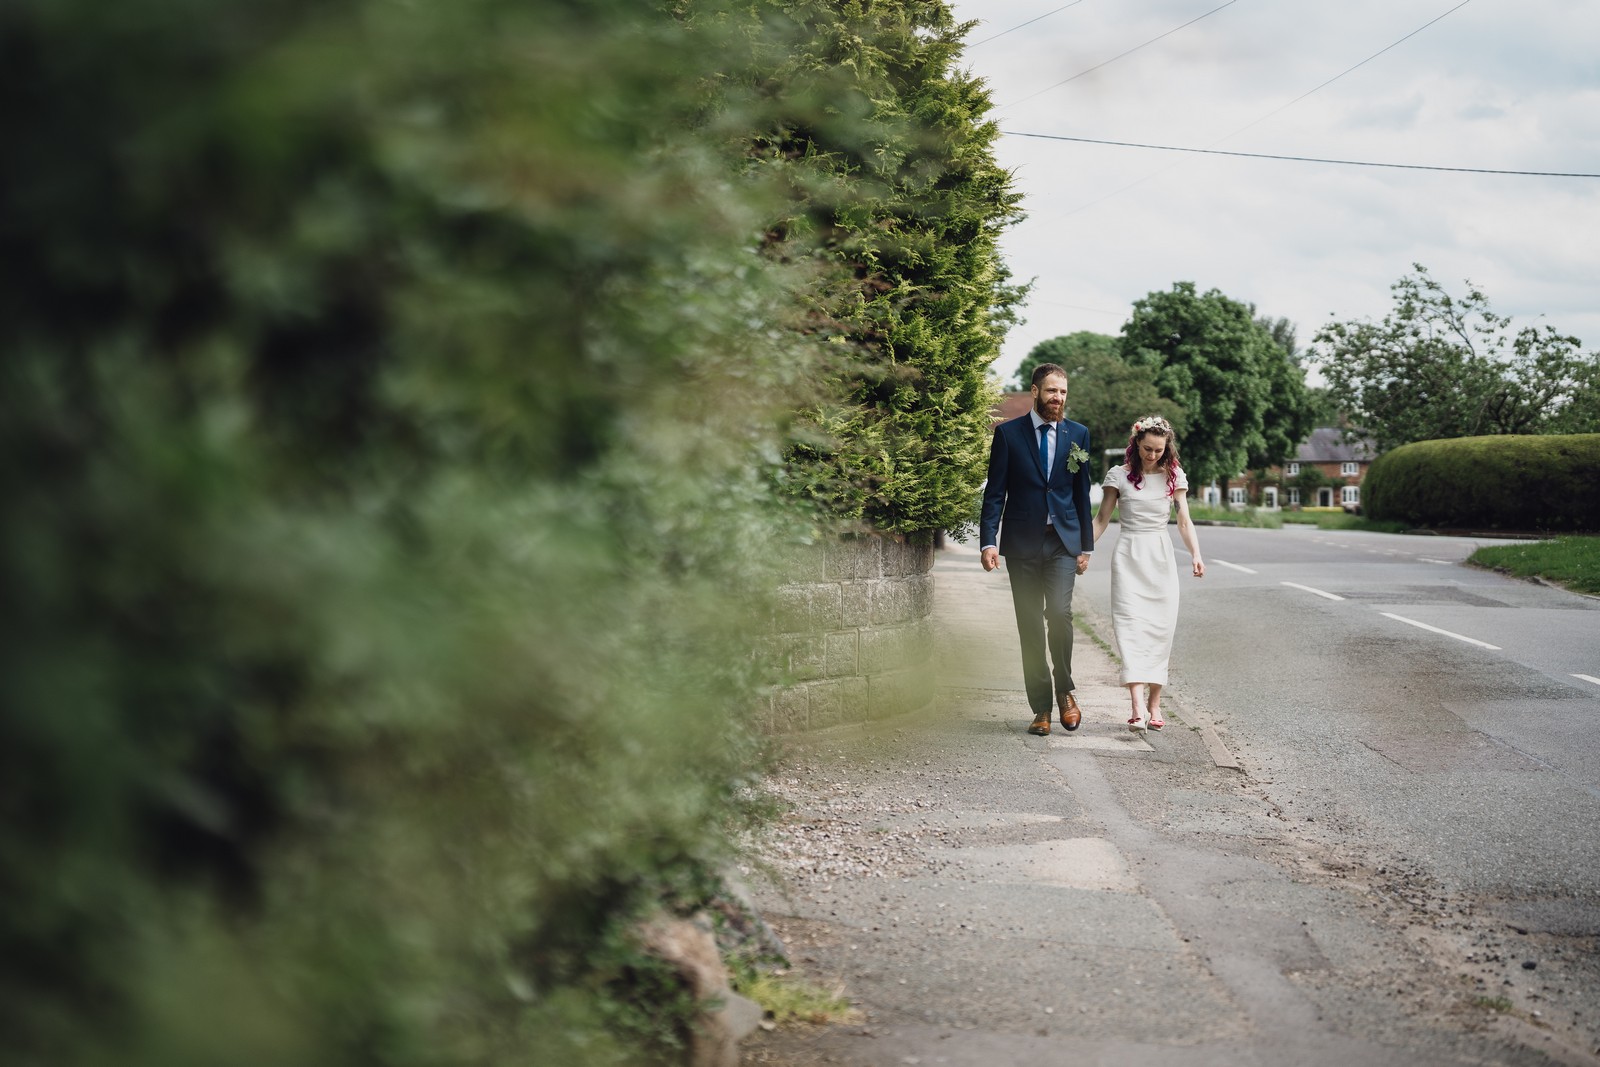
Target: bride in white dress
[1144,571]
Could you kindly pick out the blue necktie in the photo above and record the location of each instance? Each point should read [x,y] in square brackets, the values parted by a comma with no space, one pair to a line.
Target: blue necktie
[1044,450]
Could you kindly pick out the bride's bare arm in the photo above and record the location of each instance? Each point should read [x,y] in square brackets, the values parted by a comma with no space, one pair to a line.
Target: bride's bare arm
[1108,504]
[1190,539]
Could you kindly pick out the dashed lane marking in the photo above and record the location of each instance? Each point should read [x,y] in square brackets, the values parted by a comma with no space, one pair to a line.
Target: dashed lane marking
[1435,629]
[1235,566]
[1588,678]
[1318,592]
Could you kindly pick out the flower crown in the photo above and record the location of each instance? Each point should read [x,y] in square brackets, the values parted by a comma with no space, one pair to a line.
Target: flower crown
[1152,422]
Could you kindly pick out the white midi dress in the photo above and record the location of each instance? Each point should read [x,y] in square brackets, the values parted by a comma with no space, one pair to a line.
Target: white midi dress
[1144,576]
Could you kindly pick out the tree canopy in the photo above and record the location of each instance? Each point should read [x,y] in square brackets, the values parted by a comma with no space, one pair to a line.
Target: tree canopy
[900,208]
[1243,397]
[1106,393]
[1443,366]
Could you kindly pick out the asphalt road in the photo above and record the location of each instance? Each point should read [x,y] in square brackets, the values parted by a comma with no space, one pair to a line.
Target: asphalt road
[1434,711]
[1394,864]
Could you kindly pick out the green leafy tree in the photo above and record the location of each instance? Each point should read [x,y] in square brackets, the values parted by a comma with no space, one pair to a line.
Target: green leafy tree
[1325,410]
[1244,399]
[1073,350]
[1106,392]
[1442,366]
[900,205]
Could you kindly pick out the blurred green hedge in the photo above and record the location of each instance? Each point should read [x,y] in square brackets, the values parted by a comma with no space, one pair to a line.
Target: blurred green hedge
[1505,482]
[394,405]
[392,396]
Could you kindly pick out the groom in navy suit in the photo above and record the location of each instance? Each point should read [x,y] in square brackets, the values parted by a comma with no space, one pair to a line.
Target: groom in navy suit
[1037,501]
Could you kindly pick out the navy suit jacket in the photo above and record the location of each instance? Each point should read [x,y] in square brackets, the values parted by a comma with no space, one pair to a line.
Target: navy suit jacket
[1018,493]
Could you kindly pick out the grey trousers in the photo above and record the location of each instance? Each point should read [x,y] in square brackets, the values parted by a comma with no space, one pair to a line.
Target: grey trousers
[1041,595]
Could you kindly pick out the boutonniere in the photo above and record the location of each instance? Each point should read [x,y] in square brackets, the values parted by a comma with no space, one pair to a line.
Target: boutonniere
[1076,457]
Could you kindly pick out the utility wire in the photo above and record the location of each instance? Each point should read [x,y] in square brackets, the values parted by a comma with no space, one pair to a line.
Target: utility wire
[1020,25]
[1268,115]
[1342,73]
[1118,56]
[1305,159]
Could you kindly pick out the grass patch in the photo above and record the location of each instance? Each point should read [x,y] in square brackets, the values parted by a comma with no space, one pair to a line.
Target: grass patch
[787,999]
[1342,520]
[1573,562]
[1500,1004]
[1080,624]
[1254,517]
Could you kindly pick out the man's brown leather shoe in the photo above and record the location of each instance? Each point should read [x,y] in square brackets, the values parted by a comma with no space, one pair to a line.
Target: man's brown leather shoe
[1070,715]
[1040,726]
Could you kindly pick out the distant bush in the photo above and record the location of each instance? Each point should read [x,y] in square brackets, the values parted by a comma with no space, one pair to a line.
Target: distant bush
[1506,482]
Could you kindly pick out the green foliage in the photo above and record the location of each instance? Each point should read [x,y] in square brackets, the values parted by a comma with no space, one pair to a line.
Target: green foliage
[1106,393]
[788,999]
[388,421]
[1256,518]
[1071,351]
[1439,366]
[900,207]
[1573,562]
[1243,397]
[1510,482]
[1310,479]
[1339,519]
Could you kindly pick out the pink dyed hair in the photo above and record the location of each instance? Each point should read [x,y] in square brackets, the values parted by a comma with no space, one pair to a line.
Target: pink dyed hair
[1153,424]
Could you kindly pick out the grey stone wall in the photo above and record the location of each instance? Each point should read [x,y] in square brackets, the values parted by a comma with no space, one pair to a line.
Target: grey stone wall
[853,634]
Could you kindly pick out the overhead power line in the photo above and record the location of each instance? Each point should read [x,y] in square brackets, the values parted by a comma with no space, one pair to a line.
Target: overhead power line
[1342,73]
[1120,55]
[1020,25]
[1303,159]
[1281,108]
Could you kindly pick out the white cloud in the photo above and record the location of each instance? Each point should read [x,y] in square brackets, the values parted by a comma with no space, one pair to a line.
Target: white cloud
[1513,87]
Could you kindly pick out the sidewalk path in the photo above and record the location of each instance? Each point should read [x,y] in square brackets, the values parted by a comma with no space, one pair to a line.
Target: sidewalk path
[989,898]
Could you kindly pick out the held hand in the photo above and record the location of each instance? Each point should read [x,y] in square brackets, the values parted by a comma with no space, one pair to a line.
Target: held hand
[1083,563]
[1199,567]
[991,558]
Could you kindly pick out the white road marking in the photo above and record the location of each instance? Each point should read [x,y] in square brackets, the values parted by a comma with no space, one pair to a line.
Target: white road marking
[1319,592]
[1425,559]
[1235,566]
[1435,629]
[1588,678]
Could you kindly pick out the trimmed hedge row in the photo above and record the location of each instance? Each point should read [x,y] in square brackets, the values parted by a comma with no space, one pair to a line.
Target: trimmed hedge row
[1503,482]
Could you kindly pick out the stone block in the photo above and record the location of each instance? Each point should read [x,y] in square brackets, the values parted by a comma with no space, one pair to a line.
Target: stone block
[883,648]
[891,648]
[855,557]
[856,602]
[804,564]
[791,709]
[838,701]
[808,658]
[891,602]
[807,609]
[841,653]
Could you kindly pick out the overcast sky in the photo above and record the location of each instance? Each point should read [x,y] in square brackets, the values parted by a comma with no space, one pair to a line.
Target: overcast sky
[1497,84]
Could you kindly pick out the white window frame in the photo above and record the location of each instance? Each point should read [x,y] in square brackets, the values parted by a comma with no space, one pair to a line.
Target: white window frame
[1294,496]
[1236,496]
[1347,468]
[1292,470]
[1269,496]
[1350,496]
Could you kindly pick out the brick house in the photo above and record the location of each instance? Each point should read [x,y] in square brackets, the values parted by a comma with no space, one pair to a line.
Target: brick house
[1326,472]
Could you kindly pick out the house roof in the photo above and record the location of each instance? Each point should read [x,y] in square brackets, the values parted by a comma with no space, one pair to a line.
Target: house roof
[1011,405]
[1327,445]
